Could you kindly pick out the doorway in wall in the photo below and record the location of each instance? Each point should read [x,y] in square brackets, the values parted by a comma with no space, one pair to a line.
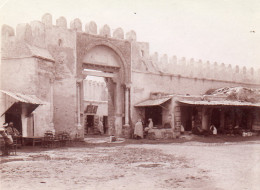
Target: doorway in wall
[90,124]
[95,102]
[186,117]
[104,60]
[215,117]
[246,119]
[155,113]
[16,119]
[105,124]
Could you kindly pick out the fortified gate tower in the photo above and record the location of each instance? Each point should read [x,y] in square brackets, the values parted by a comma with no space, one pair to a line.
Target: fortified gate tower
[54,58]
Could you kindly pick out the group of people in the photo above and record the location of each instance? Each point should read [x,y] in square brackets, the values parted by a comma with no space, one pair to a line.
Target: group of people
[140,131]
[199,131]
[9,133]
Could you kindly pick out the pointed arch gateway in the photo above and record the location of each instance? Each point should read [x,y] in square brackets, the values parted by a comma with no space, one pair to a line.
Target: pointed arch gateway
[104,56]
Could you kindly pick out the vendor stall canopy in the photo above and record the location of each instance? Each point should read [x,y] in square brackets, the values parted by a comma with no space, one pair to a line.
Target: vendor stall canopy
[153,102]
[15,101]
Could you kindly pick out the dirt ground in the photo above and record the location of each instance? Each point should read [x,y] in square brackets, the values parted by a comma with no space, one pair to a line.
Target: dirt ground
[200,163]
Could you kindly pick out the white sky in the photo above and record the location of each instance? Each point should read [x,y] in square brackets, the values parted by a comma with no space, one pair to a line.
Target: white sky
[218,31]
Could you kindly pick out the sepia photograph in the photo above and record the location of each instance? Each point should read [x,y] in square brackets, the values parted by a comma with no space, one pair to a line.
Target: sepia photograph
[130,95]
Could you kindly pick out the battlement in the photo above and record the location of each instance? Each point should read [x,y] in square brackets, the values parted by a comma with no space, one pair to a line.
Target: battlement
[28,32]
[199,69]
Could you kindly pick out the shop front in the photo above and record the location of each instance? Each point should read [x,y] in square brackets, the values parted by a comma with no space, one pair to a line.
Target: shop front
[159,110]
[18,108]
[229,117]
[232,111]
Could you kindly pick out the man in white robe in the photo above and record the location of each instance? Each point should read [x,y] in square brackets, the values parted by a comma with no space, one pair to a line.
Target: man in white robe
[139,131]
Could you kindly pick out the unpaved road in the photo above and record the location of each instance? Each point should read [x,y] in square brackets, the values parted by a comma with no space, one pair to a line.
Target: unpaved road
[190,165]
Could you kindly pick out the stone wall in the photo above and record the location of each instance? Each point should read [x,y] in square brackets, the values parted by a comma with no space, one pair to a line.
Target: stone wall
[145,83]
[191,68]
[18,75]
[53,51]
[26,76]
[180,76]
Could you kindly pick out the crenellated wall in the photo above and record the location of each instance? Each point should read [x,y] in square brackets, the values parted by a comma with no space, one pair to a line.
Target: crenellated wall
[34,33]
[38,33]
[192,68]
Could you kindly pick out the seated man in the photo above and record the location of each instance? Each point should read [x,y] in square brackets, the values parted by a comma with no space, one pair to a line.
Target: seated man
[16,135]
[213,130]
[11,130]
[8,140]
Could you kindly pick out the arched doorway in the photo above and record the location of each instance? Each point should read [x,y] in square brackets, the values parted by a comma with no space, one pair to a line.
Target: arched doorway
[104,60]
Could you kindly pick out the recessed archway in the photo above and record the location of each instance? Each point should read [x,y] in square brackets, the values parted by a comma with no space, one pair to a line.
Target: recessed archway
[103,60]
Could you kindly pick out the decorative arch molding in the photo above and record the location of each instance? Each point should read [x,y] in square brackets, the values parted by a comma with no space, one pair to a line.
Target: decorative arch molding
[123,62]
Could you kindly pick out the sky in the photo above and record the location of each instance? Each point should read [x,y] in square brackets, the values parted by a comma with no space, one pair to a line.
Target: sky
[223,31]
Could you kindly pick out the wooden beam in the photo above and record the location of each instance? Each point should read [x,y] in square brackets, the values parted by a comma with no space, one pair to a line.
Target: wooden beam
[100,67]
[98,74]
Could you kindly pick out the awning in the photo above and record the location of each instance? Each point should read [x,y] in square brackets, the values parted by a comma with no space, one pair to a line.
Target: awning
[221,103]
[150,102]
[14,101]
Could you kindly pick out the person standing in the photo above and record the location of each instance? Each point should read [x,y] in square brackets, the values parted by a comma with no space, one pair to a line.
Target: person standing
[139,131]
[101,127]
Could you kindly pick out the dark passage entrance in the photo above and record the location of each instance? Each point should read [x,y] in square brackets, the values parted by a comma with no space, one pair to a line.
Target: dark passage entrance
[16,119]
[105,124]
[154,112]
[186,117]
[89,125]
[215,117]
[246,119]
